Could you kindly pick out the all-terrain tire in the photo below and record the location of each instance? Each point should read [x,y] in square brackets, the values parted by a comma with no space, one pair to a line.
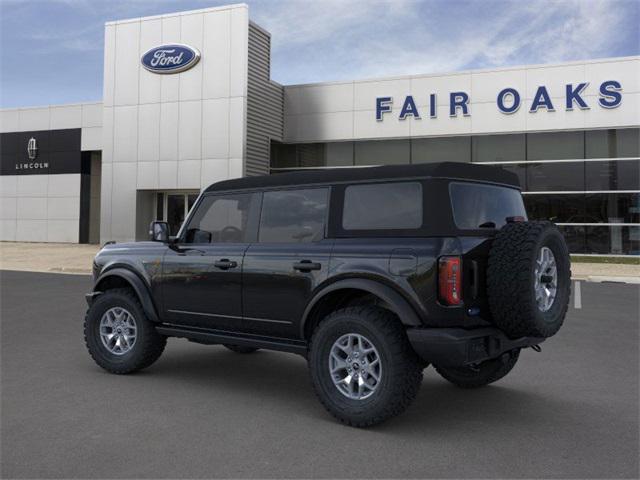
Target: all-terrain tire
[148,346]
[482,374]
[240,348]
[401,371]
[511,279]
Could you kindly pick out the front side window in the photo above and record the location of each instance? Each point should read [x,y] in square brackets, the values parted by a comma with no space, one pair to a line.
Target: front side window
[221,219]
[383,206]
[484,206]
[293,216]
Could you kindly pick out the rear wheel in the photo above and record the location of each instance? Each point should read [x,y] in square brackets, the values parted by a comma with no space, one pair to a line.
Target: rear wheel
[119,336]
[240,348]
[482,374]
[363,368]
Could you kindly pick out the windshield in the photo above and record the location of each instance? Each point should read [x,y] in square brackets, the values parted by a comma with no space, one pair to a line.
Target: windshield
[484,206]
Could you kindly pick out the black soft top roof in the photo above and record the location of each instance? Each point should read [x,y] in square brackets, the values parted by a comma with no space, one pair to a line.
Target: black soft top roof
[453,170]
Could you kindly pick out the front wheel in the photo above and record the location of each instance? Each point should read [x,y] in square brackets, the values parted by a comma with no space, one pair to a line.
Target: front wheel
[119,336]
[483,374]
[363,368]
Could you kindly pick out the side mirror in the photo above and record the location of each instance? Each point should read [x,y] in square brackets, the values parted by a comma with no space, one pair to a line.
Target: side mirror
[159,232]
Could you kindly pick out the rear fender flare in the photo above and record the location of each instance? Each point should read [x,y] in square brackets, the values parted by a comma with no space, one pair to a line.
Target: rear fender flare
[399,305]
[138,286]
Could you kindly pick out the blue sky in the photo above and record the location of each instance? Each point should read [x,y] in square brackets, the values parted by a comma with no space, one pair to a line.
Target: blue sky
[51,51]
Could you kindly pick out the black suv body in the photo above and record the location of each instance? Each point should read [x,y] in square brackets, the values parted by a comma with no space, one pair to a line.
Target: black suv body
[401,265]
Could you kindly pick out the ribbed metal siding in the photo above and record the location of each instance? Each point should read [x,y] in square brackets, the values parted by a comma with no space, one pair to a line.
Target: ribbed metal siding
[265,104]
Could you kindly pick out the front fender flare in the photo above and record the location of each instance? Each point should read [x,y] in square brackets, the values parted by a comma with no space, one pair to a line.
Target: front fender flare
[138,285]
[399,305]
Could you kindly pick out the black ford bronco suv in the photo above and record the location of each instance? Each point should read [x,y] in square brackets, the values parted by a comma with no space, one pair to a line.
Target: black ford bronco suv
[370,273]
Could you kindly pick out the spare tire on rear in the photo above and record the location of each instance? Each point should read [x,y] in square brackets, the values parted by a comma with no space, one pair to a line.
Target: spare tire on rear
[529,279]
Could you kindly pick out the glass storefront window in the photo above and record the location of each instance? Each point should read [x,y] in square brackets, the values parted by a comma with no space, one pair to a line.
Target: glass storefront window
[446,149]
[520,170]
[613,175]
[613,208]
[339,154]
[613,240]
[575,236]
[559,208]
[613,143]
[547,177]
[499,148]
[555,145]
[283,155]
[382,152]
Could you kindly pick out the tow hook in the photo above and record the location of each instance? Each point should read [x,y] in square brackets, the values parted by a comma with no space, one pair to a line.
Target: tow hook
[536,348]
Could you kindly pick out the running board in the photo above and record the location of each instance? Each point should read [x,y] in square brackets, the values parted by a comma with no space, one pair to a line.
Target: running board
[212,337]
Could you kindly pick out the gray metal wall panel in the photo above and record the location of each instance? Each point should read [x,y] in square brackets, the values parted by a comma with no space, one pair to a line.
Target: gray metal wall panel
[265,105]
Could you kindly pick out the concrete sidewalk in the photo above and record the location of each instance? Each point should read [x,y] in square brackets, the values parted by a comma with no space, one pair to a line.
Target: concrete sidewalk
[73,258]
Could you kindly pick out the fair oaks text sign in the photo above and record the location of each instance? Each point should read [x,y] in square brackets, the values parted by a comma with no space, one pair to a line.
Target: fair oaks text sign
[508,100]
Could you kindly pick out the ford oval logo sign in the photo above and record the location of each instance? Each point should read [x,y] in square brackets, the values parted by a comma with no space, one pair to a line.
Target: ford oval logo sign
[171,58]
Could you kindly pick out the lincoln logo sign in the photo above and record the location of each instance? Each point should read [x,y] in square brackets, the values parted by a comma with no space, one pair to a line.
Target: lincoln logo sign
[508,101]
[172,58]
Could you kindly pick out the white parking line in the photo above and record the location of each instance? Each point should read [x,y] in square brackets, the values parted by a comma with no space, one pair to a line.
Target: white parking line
[577,295]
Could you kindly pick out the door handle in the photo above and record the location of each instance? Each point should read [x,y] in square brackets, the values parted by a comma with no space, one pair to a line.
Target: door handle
[225,264]
[306,266]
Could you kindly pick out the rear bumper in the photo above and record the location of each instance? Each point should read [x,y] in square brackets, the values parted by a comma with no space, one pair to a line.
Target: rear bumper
[457,347]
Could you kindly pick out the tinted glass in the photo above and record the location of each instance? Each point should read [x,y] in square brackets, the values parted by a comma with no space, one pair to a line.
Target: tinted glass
[623,142]
[221,219]
[613,175]
[382,152]
[339,154]
[447,149]
[613,240]
[283,156]
[613,208]
[499,148]
[383,206]
[520,170]
[296,216]
[555,145]
[175,212]
[546,177]
[576,238]
[475,205]
[556,208]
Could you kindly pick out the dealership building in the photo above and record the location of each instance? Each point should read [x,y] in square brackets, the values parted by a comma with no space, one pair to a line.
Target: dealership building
[188,101]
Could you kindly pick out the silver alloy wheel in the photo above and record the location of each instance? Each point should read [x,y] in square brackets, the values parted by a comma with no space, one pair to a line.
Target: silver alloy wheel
[545,279]
[118,330]
[354,366]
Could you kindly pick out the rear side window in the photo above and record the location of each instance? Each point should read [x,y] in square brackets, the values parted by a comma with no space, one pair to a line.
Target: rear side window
[484,206]
[383,206]
[293,216]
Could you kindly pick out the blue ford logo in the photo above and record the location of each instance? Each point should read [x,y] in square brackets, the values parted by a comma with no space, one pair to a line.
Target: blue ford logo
[172,58]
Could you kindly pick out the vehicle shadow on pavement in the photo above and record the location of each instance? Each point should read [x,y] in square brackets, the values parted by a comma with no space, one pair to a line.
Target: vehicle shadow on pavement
[278,381]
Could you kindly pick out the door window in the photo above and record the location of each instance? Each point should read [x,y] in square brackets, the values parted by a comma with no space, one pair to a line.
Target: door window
[294,216]
[223,219]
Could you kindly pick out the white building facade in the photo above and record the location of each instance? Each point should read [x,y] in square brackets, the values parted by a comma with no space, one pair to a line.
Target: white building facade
[103,171]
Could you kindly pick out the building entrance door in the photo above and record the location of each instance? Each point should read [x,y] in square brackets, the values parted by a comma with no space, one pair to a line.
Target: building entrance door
[173,207]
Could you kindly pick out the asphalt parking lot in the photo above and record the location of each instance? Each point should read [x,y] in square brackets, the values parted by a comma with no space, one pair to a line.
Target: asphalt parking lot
[570,411]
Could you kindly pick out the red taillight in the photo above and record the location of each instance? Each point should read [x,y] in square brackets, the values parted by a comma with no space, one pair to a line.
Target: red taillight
[450,280]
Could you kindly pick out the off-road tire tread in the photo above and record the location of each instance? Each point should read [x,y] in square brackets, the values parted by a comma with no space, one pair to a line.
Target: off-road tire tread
[481,379]
[405,386]
[153,344]
[509,278]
